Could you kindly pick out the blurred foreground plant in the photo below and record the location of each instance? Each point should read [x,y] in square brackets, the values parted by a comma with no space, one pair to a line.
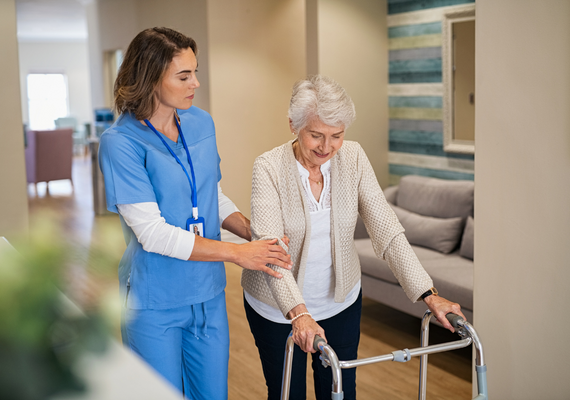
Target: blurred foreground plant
[42,334]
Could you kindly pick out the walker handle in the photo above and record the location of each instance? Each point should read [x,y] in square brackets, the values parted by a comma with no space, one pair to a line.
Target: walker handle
[455,320]
[319,341]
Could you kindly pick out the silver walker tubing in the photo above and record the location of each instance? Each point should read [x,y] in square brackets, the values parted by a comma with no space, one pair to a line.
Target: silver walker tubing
[424,341]
[464,329]
[438,348]
[331,359]
[287,366]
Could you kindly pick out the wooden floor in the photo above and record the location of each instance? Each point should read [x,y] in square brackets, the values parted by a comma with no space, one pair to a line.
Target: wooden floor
[383,329]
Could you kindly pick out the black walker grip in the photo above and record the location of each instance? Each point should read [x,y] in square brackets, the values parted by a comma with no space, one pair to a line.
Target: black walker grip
[318,340]
[454,319]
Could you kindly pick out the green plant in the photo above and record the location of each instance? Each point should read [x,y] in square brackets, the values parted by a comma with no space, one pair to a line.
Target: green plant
[41,338]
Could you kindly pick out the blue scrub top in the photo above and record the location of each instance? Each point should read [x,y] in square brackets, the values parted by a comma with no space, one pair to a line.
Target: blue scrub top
[138,168]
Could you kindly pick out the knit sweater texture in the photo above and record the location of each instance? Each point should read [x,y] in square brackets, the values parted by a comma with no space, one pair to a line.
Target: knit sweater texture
[279,207]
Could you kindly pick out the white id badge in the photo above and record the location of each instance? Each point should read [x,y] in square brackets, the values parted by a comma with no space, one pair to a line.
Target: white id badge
[196,226]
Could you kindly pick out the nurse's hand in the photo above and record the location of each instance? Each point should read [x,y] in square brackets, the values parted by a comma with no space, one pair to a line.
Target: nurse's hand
[252,255]
[255,255]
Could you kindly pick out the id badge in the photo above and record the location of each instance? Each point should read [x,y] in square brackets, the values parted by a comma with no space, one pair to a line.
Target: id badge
[196,226]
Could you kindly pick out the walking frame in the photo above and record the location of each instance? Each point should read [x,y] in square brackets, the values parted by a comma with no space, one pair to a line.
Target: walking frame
[329,358]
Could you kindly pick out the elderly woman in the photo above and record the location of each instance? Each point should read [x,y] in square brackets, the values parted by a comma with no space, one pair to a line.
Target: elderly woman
[312,190]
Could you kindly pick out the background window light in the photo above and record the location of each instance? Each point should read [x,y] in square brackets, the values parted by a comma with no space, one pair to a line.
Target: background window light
[47,100]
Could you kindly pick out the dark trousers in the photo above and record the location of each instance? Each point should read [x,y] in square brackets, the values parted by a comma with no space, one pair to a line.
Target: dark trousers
[343,334]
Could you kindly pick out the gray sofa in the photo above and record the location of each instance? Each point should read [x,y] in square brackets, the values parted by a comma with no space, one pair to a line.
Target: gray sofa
[438,217]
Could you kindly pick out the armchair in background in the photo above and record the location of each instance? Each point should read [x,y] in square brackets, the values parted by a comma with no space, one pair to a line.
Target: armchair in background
[49,155]
[79,134]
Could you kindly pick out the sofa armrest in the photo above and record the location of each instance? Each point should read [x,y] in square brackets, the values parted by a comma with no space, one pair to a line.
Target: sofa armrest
[391,194]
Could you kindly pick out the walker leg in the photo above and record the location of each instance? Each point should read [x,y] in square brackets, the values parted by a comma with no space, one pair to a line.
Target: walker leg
[481,382]
[287,367]
[424,342]
[480,366]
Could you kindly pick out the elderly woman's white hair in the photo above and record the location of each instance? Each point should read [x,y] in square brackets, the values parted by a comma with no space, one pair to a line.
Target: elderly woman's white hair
[323,98]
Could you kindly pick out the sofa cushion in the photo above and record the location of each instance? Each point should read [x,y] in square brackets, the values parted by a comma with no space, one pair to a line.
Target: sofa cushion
[372,265]
[441,234]
[466,249]
[391,194]
[452,275]
[436,197]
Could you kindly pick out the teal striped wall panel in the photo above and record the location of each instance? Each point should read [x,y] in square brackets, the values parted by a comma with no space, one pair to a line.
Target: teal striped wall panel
[422,53]
[416,133]
[401,6]
[414,30]
[424,149]
[415,66]
[421,142]
[416,125]
[415,71]
[415,101]
[417,137]
[401,170]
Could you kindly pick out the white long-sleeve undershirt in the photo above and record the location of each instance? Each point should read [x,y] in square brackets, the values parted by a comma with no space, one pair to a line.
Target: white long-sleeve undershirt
[157,236]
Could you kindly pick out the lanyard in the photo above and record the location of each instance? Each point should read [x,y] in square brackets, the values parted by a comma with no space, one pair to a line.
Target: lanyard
[193,189]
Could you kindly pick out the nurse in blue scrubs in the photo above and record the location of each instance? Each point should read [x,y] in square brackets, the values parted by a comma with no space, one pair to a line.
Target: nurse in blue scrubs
[162,176]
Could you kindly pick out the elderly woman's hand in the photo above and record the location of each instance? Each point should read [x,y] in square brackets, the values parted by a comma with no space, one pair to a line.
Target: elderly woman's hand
[304,329]
[440,307]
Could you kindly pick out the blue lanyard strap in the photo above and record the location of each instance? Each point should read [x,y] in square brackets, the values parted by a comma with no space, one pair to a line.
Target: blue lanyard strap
[193,189]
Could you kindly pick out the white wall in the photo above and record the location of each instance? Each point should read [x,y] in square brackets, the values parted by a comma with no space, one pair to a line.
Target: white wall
[68,58]
[190,18]
[95,55]
[113,24]
[13,198]
[257,52]
[353,50]
[522,196]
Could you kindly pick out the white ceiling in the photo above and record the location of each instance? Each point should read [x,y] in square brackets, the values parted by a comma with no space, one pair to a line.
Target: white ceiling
[51,20]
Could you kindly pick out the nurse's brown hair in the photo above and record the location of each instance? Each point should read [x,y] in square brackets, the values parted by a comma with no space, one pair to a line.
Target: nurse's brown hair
[146,60]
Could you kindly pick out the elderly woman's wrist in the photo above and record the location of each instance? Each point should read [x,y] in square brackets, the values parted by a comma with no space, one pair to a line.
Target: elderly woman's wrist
[300,315]
[298,309]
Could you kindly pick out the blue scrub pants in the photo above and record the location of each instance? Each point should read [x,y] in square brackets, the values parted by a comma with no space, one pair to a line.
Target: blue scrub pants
[343,334]
[187,345]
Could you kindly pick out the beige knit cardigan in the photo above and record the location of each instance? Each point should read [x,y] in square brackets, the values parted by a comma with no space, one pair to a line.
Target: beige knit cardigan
[279,207]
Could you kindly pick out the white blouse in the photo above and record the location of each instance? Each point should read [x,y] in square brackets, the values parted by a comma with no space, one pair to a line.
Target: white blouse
[318,290]
[157,236]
